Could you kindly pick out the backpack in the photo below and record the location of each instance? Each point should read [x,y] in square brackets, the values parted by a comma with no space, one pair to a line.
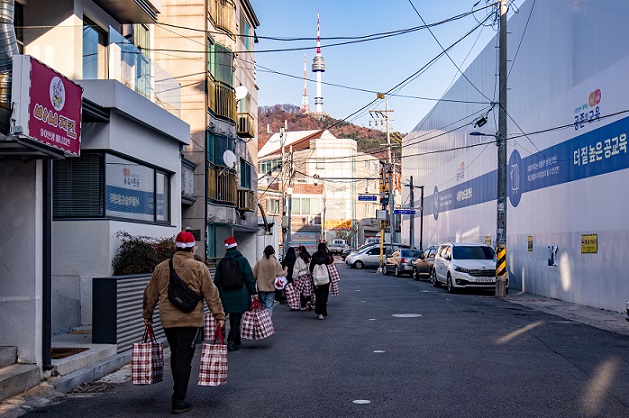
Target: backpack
[320,274]
[231,276]
[179,294]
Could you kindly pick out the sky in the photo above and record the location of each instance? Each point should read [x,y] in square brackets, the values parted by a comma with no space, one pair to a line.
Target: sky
[358,70]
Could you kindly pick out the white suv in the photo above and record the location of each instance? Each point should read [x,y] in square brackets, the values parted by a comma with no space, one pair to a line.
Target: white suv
[464,265]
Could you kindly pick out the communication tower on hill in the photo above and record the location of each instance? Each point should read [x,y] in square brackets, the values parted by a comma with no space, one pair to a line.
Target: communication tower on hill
[318,67]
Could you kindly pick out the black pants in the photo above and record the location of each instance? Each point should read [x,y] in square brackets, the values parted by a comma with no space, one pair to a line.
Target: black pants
[182,342]
[321,294]
[234,327]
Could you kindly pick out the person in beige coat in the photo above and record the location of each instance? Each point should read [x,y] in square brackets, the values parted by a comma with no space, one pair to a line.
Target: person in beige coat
[266,270]
[181,329]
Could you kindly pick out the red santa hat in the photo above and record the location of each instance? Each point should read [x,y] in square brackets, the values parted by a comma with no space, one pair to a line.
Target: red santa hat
[184,240]
[230,242]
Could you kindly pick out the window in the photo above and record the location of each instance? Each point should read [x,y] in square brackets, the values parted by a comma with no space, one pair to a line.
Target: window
[272,206]
[163,197]
[245,28]
[245,174]
[221,63]
[78,187]
[216,146]
[94,51]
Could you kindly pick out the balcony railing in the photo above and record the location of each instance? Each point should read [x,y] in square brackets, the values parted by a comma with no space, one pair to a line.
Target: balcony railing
[246,202]
[221,184]
[223,13]
[245,125]
[221,98]
[135,70]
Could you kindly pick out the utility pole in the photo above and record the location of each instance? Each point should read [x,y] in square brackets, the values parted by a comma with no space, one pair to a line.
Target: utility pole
[421,216]
[501,139]
[289,233]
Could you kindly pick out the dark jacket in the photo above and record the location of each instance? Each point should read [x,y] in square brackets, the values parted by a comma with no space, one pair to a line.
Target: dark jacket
[237,301]
[289,261]
[320,258]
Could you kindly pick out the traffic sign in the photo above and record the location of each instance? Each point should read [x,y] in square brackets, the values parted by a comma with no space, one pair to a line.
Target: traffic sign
[367,197]
[404,211]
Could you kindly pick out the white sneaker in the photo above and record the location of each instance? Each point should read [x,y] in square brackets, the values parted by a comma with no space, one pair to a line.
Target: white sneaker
[321,317]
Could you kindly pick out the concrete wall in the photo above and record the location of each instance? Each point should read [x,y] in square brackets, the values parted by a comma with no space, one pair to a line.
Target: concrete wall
[21,258]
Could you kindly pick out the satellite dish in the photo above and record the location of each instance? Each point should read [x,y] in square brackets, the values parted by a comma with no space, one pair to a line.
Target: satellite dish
[229,158]
[241,92]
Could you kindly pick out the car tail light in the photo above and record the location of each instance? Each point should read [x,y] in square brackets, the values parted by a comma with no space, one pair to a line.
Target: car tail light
[402,260]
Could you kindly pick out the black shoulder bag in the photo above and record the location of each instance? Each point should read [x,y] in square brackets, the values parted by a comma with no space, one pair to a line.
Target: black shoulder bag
[179,294]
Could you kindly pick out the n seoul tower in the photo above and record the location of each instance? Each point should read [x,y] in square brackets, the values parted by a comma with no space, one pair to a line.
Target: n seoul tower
[318,67]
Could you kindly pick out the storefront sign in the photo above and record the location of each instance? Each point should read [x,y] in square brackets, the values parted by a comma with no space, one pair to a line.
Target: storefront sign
[48,105]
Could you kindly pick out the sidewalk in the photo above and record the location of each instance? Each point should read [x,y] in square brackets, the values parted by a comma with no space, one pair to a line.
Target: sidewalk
[58,386]
[598,318]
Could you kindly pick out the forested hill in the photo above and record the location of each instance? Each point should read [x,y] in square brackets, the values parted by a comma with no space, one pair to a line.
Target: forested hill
[272,118]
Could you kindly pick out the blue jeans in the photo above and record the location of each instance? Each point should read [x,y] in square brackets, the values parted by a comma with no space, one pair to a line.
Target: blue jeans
[267,299]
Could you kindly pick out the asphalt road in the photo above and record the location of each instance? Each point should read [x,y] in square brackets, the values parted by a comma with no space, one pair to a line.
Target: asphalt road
[393,347]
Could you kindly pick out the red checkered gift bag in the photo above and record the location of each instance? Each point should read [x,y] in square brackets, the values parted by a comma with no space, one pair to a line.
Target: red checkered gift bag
[304,284]
[213,368]
[263,325]
[209,324]
[247,324]
[292,296]
[147,360]
[335,277]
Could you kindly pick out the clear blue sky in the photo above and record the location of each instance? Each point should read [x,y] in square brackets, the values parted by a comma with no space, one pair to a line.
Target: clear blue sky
[376,65]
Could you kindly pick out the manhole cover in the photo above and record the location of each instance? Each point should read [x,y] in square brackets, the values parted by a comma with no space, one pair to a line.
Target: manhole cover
[407,315]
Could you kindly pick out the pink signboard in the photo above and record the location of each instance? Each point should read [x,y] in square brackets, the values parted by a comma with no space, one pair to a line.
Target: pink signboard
[54,109]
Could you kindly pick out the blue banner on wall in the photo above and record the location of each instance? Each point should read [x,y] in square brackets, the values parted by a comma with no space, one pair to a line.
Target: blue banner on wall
[601,151]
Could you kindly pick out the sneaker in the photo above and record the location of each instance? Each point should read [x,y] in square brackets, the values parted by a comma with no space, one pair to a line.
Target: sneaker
[304,308]
[309,305]
[232,347]
[321,317]
[179,407]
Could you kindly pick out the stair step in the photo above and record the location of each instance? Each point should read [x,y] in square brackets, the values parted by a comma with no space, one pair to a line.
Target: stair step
[18,378]
[8,355]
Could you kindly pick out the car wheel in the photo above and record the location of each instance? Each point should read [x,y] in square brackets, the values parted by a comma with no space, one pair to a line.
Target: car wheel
[449,286]
[359,265]
[433,278]
[384,270]
[397,271]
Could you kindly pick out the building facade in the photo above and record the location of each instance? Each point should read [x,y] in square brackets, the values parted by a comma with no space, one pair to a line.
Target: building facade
[323,177]
[566,147]
[66,212]
[214,40]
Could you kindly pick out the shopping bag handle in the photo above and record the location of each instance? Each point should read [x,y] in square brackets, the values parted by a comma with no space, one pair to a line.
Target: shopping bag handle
[218,333]
[255,304]
[148,334]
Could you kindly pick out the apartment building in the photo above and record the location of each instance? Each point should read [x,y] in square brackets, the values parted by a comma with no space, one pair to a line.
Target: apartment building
[322,176]
[208,45]
[62,208]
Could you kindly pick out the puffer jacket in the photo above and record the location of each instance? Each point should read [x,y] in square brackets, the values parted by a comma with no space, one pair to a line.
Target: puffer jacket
[239,300]
[197,277]
[265,271]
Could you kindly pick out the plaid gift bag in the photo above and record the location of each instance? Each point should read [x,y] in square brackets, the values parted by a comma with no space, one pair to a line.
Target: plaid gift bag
[213,368]
[263,325]
[147,360]
[209,324]
[304,284]
[335,277]
[292,296]
[247,323]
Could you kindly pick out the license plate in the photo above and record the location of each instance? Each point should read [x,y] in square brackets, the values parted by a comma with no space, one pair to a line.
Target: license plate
[485,280]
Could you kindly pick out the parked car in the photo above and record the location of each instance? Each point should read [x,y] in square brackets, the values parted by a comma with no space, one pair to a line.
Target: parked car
[367,257]
[372,240]
[424,264]
[337,246]
[400,262]
[465,265]
[345,253]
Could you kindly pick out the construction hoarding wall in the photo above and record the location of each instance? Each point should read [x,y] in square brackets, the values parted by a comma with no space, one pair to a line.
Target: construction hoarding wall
[568,123]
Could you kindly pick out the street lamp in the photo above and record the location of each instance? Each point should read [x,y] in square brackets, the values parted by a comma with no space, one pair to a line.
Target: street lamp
[501,214]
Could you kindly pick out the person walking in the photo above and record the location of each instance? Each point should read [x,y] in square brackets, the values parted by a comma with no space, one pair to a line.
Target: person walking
[266,270]
[321,257]
[237,297]
[181,329]
[302,279]
[288,263]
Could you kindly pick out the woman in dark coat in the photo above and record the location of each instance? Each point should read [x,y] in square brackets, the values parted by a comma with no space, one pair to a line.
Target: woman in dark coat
[321,256]
[236,302]
[287,262]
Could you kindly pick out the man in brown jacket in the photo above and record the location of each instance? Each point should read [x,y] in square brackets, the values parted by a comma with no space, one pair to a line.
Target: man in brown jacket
[181,329]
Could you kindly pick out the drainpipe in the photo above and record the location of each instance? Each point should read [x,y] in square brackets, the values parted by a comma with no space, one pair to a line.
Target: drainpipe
[47,268]
[8,48]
